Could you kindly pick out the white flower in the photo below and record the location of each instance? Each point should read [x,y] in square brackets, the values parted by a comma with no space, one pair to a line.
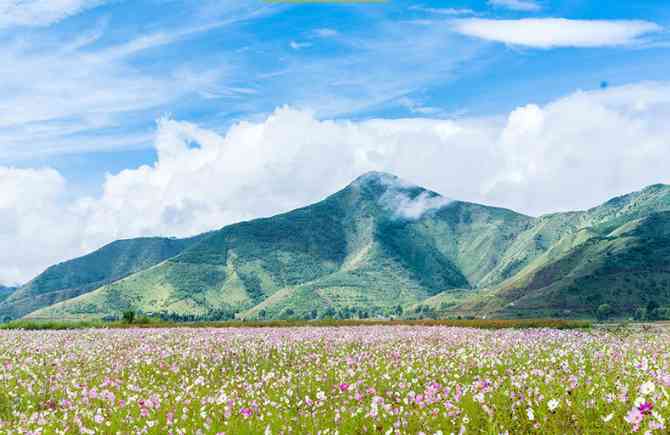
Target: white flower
[607,417]
[531,414]
[658,417]
[552,404]
[647,388]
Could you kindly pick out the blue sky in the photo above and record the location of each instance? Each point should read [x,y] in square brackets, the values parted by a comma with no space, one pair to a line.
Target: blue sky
[97,97]
[218,62]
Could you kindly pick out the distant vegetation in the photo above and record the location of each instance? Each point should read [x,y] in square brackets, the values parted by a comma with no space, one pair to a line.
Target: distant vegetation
[146,322]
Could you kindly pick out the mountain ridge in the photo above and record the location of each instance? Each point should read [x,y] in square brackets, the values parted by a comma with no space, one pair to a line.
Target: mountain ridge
[379,246]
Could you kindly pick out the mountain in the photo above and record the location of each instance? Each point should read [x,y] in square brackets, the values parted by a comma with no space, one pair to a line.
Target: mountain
[380,246]
[79,276]
[619,255]
[375,245]
[5,292]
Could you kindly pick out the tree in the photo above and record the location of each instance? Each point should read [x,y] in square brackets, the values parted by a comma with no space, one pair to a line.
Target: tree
[603,312]
[662,313]
[651,306]
[652,310]
[640,314]
[129,316]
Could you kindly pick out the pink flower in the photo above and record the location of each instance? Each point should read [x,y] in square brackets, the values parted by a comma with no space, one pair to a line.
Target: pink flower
[344,387]
[247,412]
[634,418]
[645,408]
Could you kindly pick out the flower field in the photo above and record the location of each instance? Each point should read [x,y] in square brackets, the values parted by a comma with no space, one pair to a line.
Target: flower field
[347,380]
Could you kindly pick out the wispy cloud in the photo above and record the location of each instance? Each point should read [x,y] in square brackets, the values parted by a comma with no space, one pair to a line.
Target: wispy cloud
[299,45]
[74,93]
[41,12]
[557,32]
[443,11]
[325,32]
[517,5]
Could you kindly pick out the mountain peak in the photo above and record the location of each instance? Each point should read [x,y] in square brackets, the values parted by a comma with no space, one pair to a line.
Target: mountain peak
[374,177]
[404,200]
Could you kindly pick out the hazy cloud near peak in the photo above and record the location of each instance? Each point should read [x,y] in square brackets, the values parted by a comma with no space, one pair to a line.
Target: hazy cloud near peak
[572,153]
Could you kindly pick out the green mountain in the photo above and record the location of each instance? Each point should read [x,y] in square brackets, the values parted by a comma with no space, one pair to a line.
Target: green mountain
[619,256]
[375,245]
[79,276]
[5,292]
[380,246]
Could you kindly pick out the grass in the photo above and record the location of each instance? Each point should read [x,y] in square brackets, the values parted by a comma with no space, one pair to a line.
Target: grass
[155,323]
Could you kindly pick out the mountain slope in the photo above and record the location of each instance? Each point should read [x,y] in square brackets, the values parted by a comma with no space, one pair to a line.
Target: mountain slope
[84,274]
[5,292]
[625,269]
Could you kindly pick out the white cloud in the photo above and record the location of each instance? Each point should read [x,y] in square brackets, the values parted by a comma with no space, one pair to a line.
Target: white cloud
[572,153]
[556,32]
[36,228]
[517,5]
[325,32]
[443,11]
[41,12]
[298,45]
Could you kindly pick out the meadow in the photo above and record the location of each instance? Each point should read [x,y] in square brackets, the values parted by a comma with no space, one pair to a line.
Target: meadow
[387,379]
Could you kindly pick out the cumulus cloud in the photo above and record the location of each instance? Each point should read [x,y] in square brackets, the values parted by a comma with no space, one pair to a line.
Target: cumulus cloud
[557,32]
[36,229]
[517,5]
[41,12]
[572,153]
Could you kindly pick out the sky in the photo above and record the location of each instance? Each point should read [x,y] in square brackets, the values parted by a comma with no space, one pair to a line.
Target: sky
[124,118]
